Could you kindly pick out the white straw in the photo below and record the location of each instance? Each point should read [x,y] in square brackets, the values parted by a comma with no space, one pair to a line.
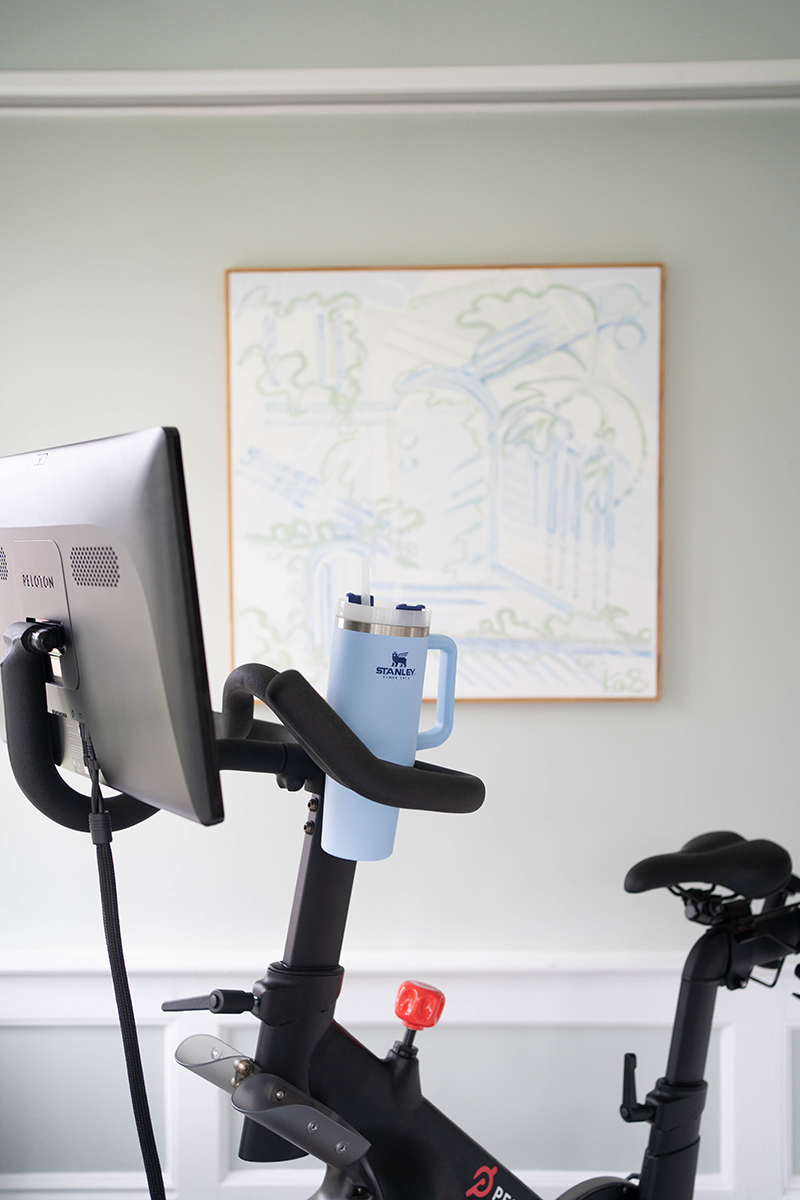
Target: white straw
[365,580]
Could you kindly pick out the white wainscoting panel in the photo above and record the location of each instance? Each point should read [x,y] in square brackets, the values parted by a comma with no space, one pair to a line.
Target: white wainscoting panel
[537,1040]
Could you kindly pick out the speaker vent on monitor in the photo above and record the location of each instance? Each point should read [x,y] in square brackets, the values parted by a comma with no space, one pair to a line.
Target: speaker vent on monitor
[94,566]
[3,564]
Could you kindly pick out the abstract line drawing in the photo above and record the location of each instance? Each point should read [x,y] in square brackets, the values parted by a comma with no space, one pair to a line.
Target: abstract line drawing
[488,437]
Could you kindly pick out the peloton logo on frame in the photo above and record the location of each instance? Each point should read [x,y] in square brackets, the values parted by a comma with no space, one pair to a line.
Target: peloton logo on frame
[38,581]
[484,1181]
[398,667]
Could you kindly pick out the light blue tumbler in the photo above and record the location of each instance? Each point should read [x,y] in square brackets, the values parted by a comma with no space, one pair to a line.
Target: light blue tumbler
[375,684]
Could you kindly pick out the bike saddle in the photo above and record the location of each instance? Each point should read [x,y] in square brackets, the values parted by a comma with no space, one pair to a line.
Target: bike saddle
[750,869]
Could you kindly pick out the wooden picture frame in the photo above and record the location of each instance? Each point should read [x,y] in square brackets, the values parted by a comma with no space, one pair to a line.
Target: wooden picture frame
[489,436]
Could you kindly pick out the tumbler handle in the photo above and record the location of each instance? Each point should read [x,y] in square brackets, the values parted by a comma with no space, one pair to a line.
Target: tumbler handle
[445,694]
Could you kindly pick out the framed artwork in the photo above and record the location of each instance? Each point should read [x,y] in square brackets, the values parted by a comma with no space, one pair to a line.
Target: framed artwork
[489,437]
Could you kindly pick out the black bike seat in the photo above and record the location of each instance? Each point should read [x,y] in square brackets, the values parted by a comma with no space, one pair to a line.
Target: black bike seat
[750,869]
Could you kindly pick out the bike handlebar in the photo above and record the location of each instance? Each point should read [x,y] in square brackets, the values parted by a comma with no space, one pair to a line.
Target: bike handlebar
[325,744]
[336,750]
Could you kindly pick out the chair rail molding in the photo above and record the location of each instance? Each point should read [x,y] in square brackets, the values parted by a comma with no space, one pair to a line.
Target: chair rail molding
[404,87]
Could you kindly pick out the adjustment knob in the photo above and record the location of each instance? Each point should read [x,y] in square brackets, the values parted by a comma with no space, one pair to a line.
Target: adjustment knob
[418,1005]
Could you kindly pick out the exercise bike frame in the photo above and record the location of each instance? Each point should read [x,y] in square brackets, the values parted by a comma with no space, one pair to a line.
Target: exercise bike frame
[416,1152]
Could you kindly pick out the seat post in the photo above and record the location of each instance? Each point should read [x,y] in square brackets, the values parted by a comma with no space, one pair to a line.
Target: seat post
[705,969]
[677,1101]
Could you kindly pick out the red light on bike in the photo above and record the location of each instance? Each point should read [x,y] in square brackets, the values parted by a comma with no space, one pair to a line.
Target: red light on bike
[418,1005]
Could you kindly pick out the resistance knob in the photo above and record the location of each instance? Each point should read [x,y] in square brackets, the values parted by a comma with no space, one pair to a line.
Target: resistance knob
[418,1005]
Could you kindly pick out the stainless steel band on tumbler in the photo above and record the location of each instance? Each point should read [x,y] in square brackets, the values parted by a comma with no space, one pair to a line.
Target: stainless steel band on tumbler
[385,630]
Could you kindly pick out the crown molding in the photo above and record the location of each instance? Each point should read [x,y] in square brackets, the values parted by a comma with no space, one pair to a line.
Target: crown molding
[336,87]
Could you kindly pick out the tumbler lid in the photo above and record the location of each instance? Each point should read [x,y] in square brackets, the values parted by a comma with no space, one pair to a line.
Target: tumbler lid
[403,621]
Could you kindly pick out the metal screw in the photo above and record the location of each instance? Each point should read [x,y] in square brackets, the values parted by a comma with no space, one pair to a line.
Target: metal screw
[279,1094]
[312,1126]
[308,827]
[313,804]
[341,1147]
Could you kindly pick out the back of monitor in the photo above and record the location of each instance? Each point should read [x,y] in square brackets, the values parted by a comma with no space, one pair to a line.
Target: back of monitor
[96,536]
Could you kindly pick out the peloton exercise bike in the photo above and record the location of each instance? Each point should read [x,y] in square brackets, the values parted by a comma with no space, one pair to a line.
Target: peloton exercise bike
[97,590]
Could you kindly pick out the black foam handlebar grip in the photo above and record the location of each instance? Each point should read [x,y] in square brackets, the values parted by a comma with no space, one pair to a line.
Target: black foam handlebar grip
[336,750]
[31,753]
[243,683]
[341,754]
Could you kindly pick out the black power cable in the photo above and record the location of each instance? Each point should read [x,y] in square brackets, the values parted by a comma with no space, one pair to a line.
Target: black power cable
[100,829]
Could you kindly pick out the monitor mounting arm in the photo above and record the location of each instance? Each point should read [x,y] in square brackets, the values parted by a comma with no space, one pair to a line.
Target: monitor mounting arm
[24,675]
[30,748]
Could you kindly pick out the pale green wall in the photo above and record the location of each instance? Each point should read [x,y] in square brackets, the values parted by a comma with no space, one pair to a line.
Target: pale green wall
[75,34]
[115,232]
